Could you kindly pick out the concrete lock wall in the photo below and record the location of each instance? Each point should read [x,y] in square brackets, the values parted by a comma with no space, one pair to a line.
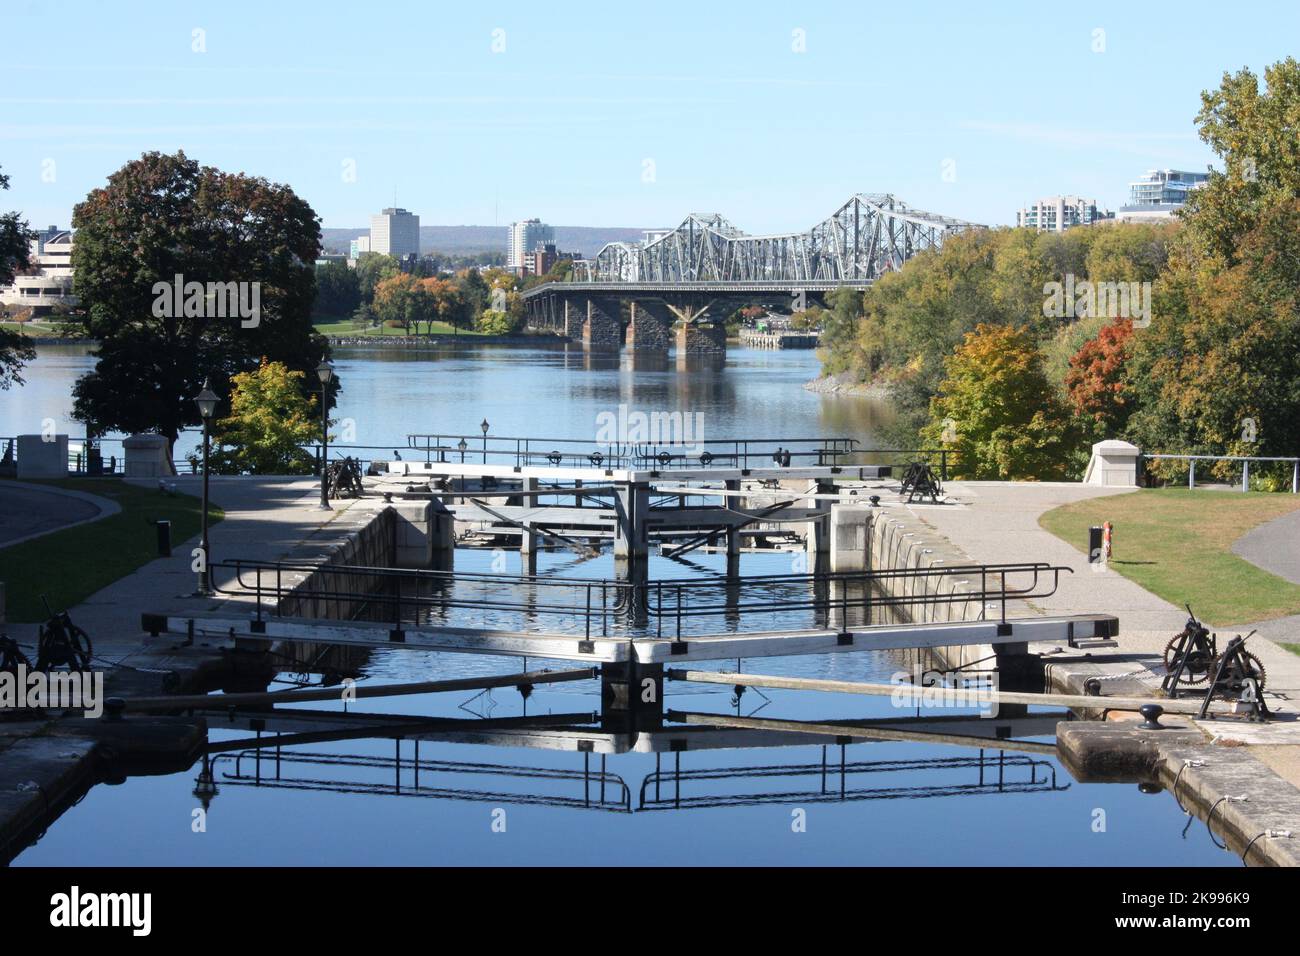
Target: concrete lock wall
[146,456]
[900,541]
[42,457]
[407,534]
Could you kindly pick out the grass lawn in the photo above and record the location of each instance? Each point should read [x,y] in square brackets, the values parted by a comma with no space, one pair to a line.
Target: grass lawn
[70,565]
[327,325]
[1176,543]
[37,329]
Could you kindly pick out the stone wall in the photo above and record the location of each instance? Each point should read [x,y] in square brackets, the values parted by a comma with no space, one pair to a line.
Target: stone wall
[693,338]
[602,328]
[651,327]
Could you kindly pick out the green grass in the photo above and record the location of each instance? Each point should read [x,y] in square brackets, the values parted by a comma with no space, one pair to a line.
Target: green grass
[70,565]
[327,325]
[1293,648]
[1176,543]
[39,329]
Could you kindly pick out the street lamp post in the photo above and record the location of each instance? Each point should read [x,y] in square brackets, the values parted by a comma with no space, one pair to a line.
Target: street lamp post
[484,425]
[325,372]
[206,400]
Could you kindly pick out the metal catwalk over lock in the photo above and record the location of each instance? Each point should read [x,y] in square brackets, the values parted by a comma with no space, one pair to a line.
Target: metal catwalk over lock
[645,623]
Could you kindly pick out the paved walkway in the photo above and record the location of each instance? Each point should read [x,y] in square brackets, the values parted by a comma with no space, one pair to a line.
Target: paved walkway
[1274,546]
[28,511]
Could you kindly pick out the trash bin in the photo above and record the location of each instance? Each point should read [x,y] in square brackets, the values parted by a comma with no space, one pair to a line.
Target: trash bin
[1094,544]
[164,538]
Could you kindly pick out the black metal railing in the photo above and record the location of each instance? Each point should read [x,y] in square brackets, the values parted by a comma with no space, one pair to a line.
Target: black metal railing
[682,452]
[662,608]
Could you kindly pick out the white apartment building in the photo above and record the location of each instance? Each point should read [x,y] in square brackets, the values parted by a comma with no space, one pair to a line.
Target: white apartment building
[395,232]
[1160,193]
[525,236]
[1059,213]
[49,279]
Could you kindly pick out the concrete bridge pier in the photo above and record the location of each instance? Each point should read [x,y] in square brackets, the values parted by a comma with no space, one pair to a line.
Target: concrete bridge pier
[650,328]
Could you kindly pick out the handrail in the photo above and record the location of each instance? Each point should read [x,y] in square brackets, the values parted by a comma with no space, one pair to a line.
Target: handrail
[603,605]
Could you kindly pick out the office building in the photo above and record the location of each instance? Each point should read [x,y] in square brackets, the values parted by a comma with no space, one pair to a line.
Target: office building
[395,232]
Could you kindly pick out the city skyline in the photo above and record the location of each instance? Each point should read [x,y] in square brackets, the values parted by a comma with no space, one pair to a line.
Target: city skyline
[503,129]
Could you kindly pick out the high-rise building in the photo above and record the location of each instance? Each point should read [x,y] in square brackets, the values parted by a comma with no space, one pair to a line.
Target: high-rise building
[525,237]
[1160,193]
[357,246]
[395,232]
[1059,213]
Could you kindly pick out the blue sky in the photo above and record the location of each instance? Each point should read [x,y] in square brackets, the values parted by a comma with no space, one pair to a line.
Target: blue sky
[970,110]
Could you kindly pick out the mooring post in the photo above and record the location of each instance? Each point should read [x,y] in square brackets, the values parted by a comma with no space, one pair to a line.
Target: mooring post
[632,506]
[733,532]
[528,543]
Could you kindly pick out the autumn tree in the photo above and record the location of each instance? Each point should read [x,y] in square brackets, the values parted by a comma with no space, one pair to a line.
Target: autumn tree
[996,410]
[269,424]
[1096,382]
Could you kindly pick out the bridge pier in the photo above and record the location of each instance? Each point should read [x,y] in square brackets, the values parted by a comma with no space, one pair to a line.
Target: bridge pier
[698,339]
[649,328]
[602,328]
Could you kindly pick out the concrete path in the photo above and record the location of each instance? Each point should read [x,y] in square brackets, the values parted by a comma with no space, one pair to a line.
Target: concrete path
[1273,546]
[28,511]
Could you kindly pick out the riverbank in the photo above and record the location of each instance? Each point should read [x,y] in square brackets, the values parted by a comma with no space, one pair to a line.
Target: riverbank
[841,385]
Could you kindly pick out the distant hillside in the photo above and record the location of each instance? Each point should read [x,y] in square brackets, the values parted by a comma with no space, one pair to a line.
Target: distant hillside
[466,240]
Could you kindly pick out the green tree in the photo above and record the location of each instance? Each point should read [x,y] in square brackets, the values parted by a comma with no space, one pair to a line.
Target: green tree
[164,216]
[996,410]
[269,423]
[15,351]
[1257,135]
[338,290]
[1218,370]
[372,268]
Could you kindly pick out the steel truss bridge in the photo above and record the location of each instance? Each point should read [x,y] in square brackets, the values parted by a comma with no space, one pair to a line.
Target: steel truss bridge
[871,234]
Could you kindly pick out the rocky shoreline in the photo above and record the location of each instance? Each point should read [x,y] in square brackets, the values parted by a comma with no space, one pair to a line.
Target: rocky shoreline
[841,385]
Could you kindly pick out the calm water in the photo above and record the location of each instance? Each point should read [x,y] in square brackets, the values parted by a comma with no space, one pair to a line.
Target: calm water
[348,803]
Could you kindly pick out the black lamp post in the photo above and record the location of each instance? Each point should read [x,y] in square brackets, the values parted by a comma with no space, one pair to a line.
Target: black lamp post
[325,372]
[207,402]
[484,425]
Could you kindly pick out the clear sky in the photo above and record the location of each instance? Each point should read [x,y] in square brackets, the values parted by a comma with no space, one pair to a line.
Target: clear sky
[624,113]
